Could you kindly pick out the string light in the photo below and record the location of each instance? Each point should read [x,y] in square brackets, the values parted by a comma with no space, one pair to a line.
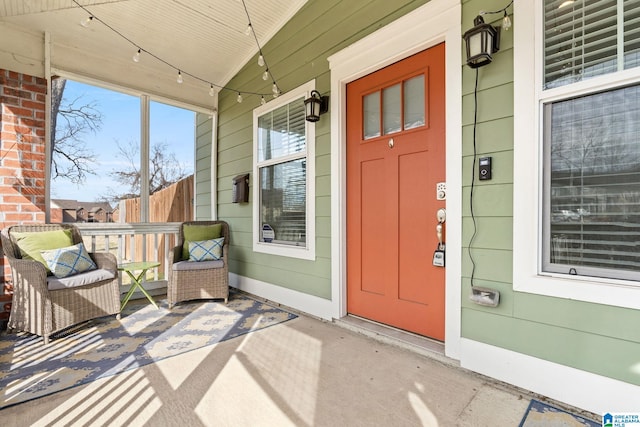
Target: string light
[179,79]
[86,22]
[506,21]
[262,100]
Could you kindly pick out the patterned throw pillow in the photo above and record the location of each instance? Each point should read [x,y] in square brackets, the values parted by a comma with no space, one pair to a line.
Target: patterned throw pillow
[206,250]
[64,262]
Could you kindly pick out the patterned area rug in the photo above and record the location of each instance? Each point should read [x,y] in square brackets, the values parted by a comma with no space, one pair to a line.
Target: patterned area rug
[106,346]
[540,414]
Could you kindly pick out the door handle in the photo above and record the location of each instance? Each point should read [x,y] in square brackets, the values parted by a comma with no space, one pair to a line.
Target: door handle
[441,215]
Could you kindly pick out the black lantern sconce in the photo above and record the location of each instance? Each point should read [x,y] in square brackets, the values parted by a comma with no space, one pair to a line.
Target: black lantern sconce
[315,105]
[482,41]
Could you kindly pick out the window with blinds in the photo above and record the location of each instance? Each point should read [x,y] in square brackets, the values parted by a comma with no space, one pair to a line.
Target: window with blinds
[592,182]
[584,39]
[591,213]
[282,174]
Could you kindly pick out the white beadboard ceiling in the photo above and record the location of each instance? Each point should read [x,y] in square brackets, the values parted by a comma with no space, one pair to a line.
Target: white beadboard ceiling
[205,38]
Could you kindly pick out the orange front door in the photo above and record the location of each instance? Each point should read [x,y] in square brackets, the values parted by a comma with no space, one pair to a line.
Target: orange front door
[395,161]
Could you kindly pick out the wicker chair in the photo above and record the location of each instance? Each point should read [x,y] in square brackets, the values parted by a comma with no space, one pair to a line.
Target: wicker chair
[189,280]
[41,311]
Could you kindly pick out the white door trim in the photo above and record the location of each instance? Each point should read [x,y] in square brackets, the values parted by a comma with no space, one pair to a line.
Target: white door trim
[435,22]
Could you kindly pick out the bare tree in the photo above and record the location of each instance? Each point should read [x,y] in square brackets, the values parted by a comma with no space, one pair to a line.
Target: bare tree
[164,170]
[70,122]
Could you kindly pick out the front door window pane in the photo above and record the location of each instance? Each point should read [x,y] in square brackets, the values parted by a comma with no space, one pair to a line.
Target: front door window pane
[371,115]
[414,102]
[391,109]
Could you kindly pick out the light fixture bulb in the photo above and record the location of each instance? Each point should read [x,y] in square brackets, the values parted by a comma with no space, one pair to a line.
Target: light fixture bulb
[261,60]
[179,79]
[239,98]
[506,22]
[274,88]
[265,75]
[248,30]
[276,94]
[85,22]
[263,101]
[212,91]
[136,56]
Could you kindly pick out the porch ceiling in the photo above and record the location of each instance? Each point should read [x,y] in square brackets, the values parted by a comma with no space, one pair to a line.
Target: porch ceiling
[205,38]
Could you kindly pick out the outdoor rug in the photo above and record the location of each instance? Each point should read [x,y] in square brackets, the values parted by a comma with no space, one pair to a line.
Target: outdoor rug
[541,414]
[107,346]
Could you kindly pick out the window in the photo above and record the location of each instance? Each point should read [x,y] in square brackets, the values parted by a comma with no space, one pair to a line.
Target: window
[592,155]
[577,123]
[284,175]
[97,173]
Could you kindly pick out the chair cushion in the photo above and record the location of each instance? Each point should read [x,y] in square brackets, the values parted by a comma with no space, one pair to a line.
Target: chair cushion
[68,261]
[202,265]
[206,250]
[31,243]
[195,233]
[82,279]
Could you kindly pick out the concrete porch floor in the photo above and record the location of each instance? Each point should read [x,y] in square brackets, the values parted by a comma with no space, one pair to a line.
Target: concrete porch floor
[304,372]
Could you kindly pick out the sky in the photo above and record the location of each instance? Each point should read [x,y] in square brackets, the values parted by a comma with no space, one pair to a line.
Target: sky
[121,124]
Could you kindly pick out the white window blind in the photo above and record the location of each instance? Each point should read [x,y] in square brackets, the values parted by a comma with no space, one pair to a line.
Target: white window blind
[585,39]
[592,185]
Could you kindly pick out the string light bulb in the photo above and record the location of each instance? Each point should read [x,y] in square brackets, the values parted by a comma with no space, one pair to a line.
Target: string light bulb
[274,88]
[261,60]
[212,91]
[265,75]
[239,98]
[179,79]
[506,22]
[248,30]
[263,101]
[136,56]
[87,21]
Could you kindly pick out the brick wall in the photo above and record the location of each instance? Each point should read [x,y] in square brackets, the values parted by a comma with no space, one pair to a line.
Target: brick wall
[22,160]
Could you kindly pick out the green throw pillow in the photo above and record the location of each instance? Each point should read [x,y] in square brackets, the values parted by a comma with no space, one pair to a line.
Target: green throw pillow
[198,233]
[32,242]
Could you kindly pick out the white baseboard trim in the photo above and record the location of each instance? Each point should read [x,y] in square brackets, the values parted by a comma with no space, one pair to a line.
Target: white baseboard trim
[575,387]
[315,306]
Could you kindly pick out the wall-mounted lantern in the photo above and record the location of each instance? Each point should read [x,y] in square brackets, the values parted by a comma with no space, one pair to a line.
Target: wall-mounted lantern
[483,40]
[315,105]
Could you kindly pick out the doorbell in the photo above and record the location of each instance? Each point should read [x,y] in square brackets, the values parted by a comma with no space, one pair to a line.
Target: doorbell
[484,168]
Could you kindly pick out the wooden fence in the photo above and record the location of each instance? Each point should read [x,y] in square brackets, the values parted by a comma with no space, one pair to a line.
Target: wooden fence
[172,204]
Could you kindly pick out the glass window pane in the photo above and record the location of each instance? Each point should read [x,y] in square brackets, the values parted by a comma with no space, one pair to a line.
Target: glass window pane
[391,111]
[594,183]
[585,39]
[96,155]
[283,201]
[281,132]
[171,159]
[371,115]
[414,102]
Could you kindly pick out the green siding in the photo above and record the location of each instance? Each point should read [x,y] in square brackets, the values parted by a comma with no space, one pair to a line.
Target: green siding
[596,338]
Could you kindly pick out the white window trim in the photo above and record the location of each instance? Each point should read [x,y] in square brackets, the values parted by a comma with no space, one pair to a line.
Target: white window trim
[309,251]
[527,180]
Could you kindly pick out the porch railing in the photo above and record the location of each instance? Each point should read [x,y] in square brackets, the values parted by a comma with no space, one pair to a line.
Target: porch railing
[135,242]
